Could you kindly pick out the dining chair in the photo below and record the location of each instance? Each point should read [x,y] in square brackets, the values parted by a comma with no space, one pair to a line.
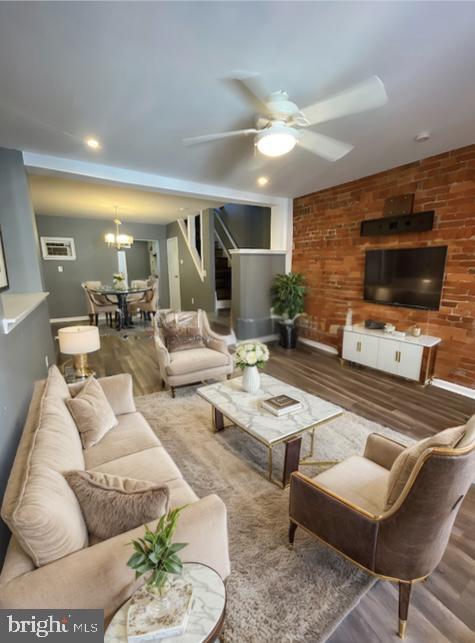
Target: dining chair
[97,304]
[148,303]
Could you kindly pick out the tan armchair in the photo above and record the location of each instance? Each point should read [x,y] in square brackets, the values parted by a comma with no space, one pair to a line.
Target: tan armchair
[348,506]
[193,365]
[97,304]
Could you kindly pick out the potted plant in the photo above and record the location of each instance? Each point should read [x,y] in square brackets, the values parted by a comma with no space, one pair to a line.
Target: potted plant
[156,555]
[288,292]
[249,357]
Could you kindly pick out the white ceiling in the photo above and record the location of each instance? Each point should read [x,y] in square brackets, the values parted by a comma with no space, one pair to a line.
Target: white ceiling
[73,198]
[140,76]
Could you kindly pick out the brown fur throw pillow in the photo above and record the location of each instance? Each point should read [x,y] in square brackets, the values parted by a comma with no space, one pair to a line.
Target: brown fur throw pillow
[92,413]
[112,505]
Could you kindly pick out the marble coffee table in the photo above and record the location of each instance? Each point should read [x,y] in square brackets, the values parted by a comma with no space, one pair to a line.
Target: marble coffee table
[207,614]
[244,410]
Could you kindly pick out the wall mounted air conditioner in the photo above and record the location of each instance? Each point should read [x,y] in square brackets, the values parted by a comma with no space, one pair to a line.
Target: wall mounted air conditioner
[58,248]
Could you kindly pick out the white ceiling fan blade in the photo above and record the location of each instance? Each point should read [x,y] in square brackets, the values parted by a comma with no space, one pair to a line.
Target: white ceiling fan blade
[328,148]
[216,137]
[249,85]
[368,94]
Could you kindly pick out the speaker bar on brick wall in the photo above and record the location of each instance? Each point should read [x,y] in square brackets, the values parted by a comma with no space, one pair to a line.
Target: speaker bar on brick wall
[416,222]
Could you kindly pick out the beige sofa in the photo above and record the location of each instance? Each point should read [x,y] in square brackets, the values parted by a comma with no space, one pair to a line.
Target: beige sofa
[50,562]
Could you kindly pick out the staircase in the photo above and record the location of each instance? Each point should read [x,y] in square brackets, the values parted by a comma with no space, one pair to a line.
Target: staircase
[222,277]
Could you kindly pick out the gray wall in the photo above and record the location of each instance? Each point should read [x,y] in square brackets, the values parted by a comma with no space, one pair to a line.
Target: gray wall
[94,260]
[23,351]
[252,276]
[138,261]
[191,287]
[249,224]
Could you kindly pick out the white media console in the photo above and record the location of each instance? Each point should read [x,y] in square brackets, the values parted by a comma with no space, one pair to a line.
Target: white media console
[403,355]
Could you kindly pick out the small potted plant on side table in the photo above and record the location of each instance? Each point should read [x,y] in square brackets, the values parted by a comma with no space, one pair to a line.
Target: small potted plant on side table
[288,292]
[156,555]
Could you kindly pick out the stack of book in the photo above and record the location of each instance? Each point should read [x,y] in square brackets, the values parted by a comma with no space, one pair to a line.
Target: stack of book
[281,404]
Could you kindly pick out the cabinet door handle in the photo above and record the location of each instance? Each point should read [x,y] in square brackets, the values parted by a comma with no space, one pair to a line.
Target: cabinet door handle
[395,356]
[399,357]
[358,347]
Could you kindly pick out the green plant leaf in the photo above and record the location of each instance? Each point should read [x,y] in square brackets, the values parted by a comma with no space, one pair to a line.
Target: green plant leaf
[177,547]
[135,560]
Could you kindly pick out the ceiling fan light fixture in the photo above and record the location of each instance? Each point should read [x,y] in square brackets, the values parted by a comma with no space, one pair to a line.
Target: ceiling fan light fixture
[276,140]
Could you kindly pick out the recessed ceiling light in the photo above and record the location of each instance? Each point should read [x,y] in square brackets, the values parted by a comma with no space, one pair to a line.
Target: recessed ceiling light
[422,137]
[262,180]
[93,143]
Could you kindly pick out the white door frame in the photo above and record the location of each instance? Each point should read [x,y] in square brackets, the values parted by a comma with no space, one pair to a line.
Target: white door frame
[173,260]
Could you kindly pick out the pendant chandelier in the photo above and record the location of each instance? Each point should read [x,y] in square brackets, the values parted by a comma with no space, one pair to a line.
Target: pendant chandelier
[117,239]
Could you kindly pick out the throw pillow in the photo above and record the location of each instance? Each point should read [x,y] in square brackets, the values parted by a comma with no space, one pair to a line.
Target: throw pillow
[112,505]
[405,462]
[92,413]
[182,331]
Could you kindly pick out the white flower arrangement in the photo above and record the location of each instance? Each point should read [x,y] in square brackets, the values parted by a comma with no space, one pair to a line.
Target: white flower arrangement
[118,276]
[251,354]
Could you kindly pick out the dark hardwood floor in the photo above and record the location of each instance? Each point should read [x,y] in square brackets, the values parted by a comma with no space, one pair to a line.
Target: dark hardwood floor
[443,607]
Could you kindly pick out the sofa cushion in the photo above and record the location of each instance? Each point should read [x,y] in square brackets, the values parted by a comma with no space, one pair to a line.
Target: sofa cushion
[39,507]
[92,413]
[180,493]
[152,464]
[195,360]
[405,462]
[358,480]
[113,505]
[132,434]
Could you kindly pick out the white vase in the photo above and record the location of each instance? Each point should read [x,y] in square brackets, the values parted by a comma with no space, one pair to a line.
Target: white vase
[251,380]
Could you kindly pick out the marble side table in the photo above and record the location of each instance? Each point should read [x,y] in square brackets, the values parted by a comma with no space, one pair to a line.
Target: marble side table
[207,614]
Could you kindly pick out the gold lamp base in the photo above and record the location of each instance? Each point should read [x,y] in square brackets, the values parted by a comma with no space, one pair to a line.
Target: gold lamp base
[402,629]
[81,368]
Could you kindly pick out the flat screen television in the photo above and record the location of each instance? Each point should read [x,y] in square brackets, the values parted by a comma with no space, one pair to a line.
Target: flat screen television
[410,277]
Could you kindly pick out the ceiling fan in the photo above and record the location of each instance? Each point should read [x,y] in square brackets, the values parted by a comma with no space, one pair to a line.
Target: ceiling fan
[280,125]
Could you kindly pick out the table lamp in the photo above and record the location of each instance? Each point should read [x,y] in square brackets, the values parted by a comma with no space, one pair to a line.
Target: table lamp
[78,341]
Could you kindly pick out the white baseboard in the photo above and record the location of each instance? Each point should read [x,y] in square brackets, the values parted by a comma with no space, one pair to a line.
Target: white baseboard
[61,320]
[319,345]
[454,388]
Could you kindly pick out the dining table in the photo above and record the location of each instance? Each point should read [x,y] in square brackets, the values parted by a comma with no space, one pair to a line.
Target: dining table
[121,297]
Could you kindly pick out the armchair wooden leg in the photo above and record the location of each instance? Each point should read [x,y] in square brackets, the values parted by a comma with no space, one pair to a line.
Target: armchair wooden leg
[172,389]
[292,530]
[96,320]
[404,600]
[91,319]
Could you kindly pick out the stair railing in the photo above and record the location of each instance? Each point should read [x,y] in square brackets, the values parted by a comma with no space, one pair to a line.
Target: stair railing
[227,232]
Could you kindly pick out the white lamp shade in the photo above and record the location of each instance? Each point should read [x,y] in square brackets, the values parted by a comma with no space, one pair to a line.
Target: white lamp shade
[76,340]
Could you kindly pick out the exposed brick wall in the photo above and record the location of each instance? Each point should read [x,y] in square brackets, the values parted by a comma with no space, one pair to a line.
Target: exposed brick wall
[329,251]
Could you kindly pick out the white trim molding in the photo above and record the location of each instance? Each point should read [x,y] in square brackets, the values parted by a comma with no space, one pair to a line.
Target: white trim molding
[454,388]
[323,347]
[61,320]
[185,231]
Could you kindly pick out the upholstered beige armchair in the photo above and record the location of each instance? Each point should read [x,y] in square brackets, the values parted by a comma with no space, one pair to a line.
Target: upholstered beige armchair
[97,304]
[390,511]
[147,303]
[207,356]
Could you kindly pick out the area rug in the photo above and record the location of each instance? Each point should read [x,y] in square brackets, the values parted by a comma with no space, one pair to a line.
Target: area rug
[275,593]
